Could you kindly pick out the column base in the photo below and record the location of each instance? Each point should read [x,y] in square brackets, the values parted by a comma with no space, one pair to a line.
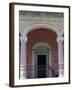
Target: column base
[61,73]
[22,72]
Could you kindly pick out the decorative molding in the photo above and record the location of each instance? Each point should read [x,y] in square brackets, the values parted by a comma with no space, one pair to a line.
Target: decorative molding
[29,21]
[60,38]
[25,29]
[23,38]
[40,25]
[44,44]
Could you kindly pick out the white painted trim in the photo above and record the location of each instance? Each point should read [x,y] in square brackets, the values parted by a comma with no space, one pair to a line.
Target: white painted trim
[38,26]
[42,44]
[41,25]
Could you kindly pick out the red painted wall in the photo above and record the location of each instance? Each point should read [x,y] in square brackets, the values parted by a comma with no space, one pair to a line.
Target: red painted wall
[42,35]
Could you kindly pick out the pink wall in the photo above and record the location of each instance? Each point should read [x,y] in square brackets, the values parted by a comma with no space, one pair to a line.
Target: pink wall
[42,35]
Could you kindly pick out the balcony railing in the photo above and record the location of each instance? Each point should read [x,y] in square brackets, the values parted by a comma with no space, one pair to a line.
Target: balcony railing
[49,70]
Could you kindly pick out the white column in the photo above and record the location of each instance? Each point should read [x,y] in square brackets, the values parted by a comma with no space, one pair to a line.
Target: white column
[60,55]
[23,57]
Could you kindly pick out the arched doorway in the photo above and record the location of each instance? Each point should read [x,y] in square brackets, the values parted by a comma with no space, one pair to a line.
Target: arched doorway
[41,59]
[45,47]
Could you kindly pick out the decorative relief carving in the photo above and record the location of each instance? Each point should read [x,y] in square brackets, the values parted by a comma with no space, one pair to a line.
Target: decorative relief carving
[23,38]
[60,38]
[55,22]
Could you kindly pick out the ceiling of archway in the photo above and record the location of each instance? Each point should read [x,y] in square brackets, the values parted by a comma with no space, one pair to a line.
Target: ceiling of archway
[52,19]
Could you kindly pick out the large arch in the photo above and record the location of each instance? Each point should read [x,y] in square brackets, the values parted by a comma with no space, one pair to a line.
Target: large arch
[36,39]
[37,26]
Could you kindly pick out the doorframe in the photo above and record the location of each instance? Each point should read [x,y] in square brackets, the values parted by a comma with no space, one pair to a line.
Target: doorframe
[45,67]
[34,62]
[47,62]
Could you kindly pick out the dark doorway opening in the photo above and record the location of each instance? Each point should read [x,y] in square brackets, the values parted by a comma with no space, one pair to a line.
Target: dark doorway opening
[41,66]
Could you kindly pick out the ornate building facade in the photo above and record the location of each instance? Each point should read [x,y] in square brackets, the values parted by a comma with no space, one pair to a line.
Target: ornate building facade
[41,44]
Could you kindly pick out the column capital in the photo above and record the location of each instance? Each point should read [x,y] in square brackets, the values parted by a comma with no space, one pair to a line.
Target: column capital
[23,38]
[60,38]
